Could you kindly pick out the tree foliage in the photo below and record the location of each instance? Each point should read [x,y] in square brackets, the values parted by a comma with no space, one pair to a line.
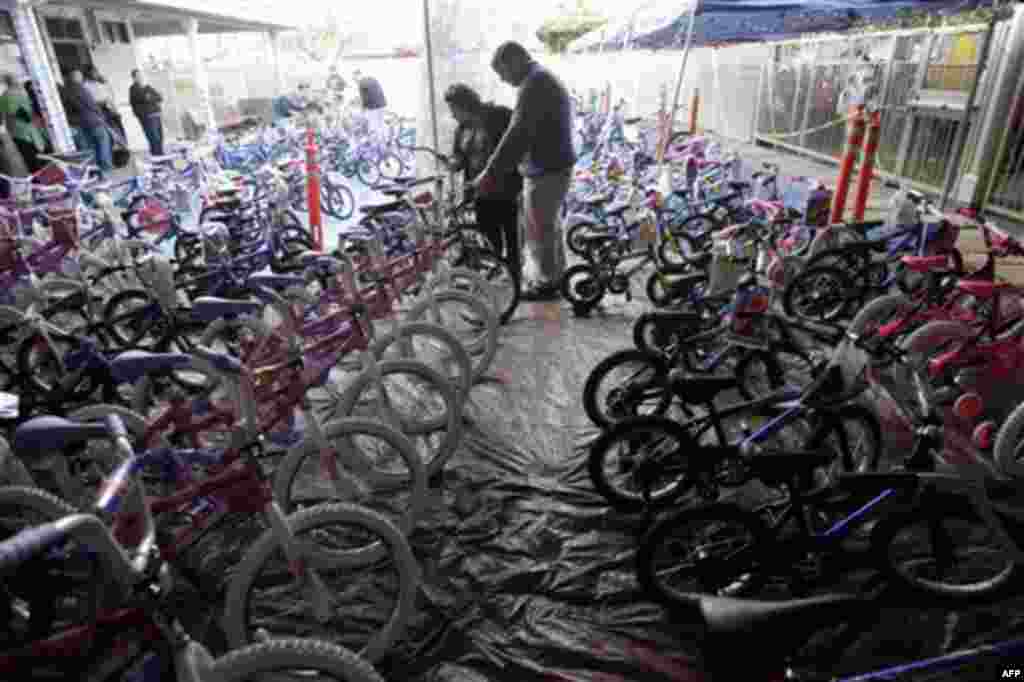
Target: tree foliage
[324,42]
[922,18]
[569,24]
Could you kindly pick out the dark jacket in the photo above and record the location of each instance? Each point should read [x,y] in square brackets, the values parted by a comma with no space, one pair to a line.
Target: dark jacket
[540,134]
[371,94]
[90,115]
[474,145]
[145,100]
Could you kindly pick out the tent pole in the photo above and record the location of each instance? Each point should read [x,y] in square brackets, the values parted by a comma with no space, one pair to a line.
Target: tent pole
[432,84]
[679,79]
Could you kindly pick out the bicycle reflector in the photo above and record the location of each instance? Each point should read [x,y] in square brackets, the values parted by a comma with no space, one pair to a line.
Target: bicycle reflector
[969,406]
[984,435]
[424,199]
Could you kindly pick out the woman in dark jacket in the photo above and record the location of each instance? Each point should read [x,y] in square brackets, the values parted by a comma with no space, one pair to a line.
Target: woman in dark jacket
[481,127]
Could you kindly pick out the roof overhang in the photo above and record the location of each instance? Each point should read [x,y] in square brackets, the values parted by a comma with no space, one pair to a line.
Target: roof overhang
[150,20]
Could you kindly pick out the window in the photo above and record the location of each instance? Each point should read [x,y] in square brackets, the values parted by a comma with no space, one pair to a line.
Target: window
[64,29]
[115,32]
[6,27]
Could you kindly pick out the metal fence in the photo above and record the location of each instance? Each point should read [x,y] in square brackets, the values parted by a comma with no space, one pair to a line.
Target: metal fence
[926,79]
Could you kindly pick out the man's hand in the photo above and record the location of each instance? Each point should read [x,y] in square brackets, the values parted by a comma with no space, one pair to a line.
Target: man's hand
[485,184]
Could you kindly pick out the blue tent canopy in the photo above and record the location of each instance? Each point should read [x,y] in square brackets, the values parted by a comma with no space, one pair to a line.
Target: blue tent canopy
[723,21]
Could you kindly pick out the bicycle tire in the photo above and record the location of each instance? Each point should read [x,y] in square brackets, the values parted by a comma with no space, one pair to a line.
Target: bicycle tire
[591,387]
[628,429]
[663,297]
[481,351]
[938,507]
[280,655]
[667,248]
[833,237]
[776,373]
[339,200]
[462,380]
[838,277]
[347,427]
[124,341]
[502,286]
[582,295]
[450,421]
[237,610]
[576,238]
[646,556]
[1010,435]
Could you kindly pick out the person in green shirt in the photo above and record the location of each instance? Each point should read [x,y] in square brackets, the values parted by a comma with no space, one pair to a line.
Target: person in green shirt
[16,109]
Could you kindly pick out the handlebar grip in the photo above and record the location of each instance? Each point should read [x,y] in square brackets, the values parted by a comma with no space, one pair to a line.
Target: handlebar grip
[29,542]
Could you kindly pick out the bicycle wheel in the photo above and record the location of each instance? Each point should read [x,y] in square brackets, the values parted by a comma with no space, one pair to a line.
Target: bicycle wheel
[393,392]
[307,659]
[433,346]
[642,461]
[759,374]
[469,319]
[678,251]
[581,286]
[664,289]
[626,384]
[338,201]
[367,172]
[133,320]
[390,167]
[853,434]
[936,338]
[709,550]
[503,286]
[818,294]
[917,550]
[1008,452]
[60,589]
[336,543]
[363,461]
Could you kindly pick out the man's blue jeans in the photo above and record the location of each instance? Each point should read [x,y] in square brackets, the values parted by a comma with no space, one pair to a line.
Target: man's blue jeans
[99,141]
[153,127]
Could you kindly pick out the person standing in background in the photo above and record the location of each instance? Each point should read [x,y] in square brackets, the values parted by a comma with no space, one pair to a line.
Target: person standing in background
[540,139]
[481,127]
[38,119]
[146,105]
[16,109]
[94,125]
[371,96]
[104,96]
[74,116]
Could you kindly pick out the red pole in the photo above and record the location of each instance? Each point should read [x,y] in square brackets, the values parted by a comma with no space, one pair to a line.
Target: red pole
[313,189]
[854,137]
[867,165]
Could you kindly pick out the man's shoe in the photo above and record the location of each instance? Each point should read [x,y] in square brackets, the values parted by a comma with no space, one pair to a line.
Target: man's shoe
[542,292]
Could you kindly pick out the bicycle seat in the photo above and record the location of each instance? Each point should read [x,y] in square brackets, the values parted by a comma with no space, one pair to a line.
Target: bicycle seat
[703,390]
[221,361]
[132,365]
[633,121]
[166,158]
[209,308]
[42,435]
[739,186]
[980,288]
[925,264]
[382,208]
[276,281]
[736,625]
[393,190]
[597,200]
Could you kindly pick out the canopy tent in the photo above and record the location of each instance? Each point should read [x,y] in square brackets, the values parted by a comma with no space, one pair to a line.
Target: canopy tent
[661,24]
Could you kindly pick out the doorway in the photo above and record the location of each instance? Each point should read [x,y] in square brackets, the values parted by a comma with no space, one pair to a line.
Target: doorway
[70,47]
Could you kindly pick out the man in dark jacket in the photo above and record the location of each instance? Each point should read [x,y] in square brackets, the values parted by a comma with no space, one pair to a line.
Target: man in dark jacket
[146,101]
[94,125]
[481,127]
[540,139]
